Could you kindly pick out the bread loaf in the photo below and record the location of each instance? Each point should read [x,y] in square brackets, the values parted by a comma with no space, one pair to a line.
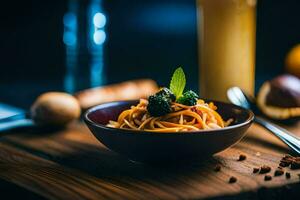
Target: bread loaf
[128,90]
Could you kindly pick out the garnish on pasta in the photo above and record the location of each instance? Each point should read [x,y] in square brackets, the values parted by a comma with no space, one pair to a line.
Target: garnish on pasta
[171,110]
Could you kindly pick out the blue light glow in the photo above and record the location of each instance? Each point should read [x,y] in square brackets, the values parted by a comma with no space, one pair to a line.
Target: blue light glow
[70,29]
[96,32]
[69,20]
[69,38]
[99,37]
[99,20]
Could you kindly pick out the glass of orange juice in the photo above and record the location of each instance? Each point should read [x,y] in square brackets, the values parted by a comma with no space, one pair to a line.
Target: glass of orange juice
[227,31]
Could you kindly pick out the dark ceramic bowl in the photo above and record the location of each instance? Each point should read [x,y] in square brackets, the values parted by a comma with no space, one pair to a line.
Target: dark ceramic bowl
[157,147]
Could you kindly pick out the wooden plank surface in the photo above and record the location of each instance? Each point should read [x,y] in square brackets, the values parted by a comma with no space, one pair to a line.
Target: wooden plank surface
[72,164]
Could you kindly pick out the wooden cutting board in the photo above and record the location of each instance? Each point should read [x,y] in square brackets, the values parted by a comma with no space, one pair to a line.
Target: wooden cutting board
[72,164]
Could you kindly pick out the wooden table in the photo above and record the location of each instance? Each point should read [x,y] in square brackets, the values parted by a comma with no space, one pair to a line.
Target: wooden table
[72,164]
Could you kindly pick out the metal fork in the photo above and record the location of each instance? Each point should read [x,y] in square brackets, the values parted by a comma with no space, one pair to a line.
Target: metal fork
[238,97]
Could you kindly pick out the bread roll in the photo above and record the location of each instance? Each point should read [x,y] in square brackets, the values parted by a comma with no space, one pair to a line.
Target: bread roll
[128,90]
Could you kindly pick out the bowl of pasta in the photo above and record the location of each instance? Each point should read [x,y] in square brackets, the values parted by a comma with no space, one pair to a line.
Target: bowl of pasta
[169,125]
[183,135]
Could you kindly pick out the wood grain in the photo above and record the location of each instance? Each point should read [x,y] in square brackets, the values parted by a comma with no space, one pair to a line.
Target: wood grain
[72,164]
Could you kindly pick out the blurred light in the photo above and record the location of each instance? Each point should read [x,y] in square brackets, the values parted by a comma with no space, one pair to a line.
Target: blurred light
[99,37]
[69,20]
[69,38]
[99,20]
[96,32]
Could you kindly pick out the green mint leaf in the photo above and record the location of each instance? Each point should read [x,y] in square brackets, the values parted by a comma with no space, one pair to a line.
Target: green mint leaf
[178,82]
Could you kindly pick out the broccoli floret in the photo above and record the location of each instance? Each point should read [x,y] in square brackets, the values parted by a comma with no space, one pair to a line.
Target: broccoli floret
[158,105]
[188,98]
[166,93]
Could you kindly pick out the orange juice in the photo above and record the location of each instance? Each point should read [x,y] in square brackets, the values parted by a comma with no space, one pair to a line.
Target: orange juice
[226,46]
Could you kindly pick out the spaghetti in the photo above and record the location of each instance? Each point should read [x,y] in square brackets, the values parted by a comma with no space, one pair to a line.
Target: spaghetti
[201,116]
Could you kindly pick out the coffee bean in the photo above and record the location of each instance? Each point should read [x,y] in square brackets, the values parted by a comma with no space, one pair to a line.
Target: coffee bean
[287,175]
[232,179]
[268,177]
[242,157]
[264,169]
[278,172]
[217,168]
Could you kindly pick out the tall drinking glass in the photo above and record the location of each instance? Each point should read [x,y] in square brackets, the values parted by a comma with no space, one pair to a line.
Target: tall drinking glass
[226,45]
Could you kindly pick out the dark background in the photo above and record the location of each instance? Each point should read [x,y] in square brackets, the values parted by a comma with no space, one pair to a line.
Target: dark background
[144,39]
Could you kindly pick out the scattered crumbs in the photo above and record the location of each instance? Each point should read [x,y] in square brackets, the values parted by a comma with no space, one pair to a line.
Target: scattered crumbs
[217,168]
[295,164]
[279,167]
[264,169]
[283,164]
[278,172]
[268,177]
[242,157]
[255,170]
[258,154]
[288,175]
[232,179]
[288,160]
[287,156]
